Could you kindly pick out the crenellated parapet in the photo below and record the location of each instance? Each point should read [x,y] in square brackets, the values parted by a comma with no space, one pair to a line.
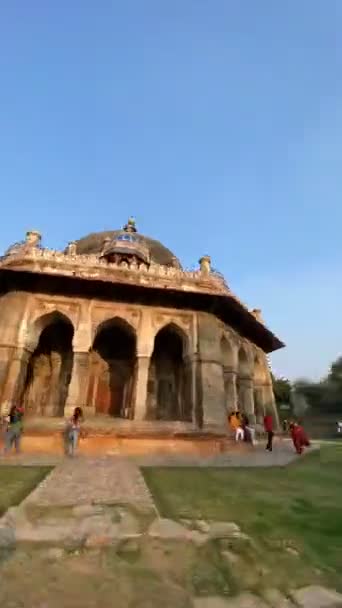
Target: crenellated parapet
[93,266]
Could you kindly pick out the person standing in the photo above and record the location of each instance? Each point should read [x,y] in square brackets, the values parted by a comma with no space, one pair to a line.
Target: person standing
[14,429]
[268,426]
[73,431]
[235,423]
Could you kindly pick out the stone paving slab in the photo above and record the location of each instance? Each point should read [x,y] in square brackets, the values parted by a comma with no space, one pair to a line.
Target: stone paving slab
[282,455]
[105,480]
[238,456]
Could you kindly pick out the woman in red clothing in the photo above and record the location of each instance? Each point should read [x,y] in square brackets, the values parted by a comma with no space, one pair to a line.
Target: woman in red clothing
[299,437]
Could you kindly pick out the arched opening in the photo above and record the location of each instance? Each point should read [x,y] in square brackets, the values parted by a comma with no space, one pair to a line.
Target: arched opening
[112,369]
[50,367]
[227,353]
[169,377]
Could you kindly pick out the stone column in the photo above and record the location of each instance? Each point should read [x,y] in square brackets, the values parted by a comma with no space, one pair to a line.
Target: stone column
[230,390]
[140,395]
[210,387]
[190,389]
[78,387]
[51,407]
[14,383]
[246,398]
[212,396]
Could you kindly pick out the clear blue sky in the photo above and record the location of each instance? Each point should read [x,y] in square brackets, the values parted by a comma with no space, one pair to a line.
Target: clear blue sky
[217,124]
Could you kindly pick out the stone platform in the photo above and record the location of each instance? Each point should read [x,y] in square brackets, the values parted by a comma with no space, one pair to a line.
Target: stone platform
[103,436]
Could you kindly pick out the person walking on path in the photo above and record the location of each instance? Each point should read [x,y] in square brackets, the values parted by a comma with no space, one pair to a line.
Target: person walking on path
[73,431]
[14,429]
[299,437]
[268,426]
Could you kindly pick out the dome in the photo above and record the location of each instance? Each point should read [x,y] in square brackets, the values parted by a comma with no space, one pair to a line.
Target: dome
[95,242]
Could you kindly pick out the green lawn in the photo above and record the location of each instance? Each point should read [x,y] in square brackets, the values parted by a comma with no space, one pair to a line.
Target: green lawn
[299,506]
[17,482]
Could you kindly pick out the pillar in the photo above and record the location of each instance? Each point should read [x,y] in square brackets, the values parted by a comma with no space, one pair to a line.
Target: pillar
[210,387]
[14,383]
[78,387]
[51,407]
[246,398]
[140,395]
[212,396]
[190,363]
[230,390]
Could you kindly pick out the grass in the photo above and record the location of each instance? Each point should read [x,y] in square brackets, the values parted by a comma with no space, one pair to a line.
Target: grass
[295,508]
[17,482]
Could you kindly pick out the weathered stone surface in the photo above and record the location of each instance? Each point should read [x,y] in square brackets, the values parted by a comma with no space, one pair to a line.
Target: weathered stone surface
[43,534]
[129,525]
[98,540]
[202,526]
[168,529]
[13,515]
[245,600]
[87,510]
[113,481]
[292,551]
[54,554]
[224,530]
[210,602]
[276,599]
[98,524]
[7,537]
[315,596]
[230,557]
[129,547]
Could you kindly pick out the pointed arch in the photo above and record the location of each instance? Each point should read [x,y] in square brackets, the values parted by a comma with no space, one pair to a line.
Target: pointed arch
[259,371]
[116,321]
[244,366]
[174,328]
[41,322]
[113,368]
[169,378]
[227,353]
[49,368]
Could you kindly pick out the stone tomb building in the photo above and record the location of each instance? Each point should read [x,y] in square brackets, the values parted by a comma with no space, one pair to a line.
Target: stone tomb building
[115,325]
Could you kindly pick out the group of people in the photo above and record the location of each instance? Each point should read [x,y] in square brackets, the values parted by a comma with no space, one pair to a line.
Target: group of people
[244,431]
[12,427]
[238,422]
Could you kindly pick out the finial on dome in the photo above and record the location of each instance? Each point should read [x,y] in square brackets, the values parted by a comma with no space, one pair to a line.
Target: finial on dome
[130,226]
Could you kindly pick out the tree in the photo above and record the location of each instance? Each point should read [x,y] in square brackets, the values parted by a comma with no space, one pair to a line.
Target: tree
[324,396]
[281,389]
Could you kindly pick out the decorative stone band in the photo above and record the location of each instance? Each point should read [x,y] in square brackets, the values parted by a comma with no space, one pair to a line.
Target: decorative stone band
[66,264]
